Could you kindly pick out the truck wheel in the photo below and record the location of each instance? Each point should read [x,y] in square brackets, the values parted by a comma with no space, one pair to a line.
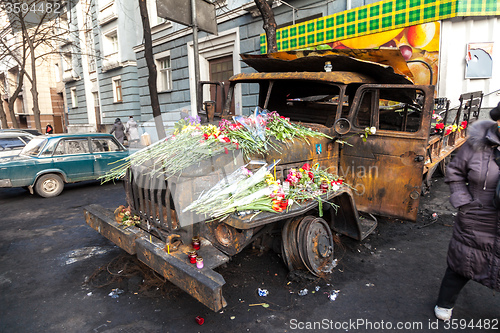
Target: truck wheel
[308,244]
[49,185]
[316,248]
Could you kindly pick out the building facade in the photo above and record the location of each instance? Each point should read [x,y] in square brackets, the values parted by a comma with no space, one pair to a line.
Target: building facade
[48,74]
[118,86]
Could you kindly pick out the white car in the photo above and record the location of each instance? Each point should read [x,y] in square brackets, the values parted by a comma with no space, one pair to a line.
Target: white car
[11,143]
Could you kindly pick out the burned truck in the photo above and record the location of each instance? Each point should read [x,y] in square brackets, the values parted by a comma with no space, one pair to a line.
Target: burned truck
[367,89]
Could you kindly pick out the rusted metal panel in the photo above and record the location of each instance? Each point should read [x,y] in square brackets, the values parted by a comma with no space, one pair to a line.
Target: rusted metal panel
[203,284]
[226,238]
[103,220]
[332,77]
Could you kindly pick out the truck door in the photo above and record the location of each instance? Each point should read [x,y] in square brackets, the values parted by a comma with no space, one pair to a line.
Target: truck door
[386,167]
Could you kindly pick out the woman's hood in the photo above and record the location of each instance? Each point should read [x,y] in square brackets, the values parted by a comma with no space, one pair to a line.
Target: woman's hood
[483,133]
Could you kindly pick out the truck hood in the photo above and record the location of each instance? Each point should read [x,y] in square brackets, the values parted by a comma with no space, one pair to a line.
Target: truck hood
[385,65]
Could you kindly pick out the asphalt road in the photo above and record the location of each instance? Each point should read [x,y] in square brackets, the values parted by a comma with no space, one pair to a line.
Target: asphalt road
[58,275]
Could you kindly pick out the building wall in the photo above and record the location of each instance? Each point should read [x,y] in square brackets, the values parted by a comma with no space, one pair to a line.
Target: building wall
[107,16]
[455,34]
[177,39]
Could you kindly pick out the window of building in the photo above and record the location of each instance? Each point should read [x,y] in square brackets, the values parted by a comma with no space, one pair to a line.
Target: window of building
[154,19]
[89,38]
[67,61]
[74,98]
[117,90]
[57,73]
[111,42]
[114,43]
[164,74]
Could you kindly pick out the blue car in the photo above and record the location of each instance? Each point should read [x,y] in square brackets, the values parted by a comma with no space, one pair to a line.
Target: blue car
[47,162]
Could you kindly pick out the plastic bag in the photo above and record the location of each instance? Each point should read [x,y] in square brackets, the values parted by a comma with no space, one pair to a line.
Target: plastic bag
[255,123]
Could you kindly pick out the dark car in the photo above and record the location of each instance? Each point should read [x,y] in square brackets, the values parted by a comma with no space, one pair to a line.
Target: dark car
[12,142]
[47,162]
[25,130]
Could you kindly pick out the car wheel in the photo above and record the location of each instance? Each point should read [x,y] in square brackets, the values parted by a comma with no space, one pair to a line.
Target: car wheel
[49,185]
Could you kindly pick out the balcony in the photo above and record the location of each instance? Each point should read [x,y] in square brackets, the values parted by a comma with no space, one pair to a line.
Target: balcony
[70,75]
[110,62]
[108,13]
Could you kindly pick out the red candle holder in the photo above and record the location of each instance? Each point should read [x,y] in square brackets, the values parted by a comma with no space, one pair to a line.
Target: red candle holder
[192,256]
[199,320]
[195,242]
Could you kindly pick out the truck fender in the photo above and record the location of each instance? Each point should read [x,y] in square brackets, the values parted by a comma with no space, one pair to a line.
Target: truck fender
[346,219]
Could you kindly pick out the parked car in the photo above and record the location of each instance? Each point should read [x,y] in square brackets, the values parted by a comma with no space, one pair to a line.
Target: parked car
[47,162]
[12,142]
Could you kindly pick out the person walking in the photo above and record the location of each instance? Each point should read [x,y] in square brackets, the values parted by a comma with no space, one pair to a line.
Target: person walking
[119,130]
[132,130]
[49,129]
[474,249]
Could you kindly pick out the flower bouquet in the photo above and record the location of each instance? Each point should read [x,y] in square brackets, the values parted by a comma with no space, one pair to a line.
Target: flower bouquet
[192,143]
[245,192]
[125,217]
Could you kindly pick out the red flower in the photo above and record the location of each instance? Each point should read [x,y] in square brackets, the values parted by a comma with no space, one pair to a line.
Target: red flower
[226,150]
[306,167]
[237,145]
[311,175]
[463,124]
[448,131]
[205,135]
[226,139]
[277,206]
[439,126]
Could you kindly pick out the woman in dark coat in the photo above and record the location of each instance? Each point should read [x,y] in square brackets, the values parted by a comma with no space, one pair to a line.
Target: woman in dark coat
[119,130]
[474,250]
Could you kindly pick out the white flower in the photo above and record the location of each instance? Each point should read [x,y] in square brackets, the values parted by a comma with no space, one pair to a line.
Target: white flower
[335,187]
[361,135]
[373,130]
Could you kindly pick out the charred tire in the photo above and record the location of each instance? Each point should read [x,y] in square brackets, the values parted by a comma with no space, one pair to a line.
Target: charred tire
[49,185]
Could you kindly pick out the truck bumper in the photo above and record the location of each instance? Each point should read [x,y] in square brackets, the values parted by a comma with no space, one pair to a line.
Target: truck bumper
[203,284]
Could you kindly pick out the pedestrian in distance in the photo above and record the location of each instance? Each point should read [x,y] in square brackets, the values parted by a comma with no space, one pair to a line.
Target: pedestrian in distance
[474,249]
[119,130]
[132,131]
[49,129]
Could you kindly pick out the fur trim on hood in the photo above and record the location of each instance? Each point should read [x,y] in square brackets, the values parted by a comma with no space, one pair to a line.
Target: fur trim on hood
[483,133]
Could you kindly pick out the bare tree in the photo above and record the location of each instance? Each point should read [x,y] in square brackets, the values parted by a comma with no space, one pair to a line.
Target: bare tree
[148,54]
[269,24]
[3,117]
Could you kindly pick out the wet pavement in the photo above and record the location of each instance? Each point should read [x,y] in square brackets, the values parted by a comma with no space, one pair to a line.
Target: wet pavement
[59,275]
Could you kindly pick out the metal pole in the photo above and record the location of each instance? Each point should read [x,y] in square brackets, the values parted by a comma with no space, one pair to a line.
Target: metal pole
[196,54]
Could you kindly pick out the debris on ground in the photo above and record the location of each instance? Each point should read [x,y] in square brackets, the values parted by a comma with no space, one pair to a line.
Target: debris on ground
[115,293]
[263,292]
[303,292]
[300,275]
[333,295]
[199,320]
